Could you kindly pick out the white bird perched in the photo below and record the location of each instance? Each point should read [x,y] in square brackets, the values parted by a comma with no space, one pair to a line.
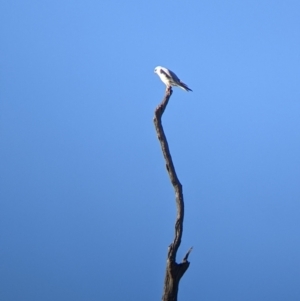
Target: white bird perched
[169,78]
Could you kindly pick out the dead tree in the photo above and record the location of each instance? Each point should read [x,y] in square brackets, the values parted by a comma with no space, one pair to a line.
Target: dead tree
[174,270]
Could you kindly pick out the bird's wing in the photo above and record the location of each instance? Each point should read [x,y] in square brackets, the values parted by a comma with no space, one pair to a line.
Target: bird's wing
[166,73]
[174,76]
[184,86]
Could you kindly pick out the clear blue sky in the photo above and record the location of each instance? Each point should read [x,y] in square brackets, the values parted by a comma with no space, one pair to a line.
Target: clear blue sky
[86,208]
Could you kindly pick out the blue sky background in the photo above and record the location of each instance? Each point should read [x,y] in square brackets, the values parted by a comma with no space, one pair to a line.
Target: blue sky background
[86,208]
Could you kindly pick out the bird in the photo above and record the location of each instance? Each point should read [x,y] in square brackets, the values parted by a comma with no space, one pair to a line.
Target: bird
[169,78]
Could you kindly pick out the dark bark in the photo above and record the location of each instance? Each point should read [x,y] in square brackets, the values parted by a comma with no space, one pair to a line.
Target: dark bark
[174,270]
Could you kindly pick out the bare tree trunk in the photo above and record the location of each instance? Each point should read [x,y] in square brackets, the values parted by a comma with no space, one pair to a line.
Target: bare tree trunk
[174,270]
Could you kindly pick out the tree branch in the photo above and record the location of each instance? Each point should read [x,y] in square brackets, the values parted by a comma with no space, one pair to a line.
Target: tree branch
[174,271]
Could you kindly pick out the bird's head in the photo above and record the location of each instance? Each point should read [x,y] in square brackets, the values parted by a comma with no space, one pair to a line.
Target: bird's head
[157,69]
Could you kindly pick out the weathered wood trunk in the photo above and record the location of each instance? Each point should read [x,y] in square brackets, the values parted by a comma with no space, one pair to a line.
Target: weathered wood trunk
[174,270]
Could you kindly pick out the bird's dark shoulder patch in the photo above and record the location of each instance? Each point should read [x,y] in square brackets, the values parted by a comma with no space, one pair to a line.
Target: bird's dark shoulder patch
[165,73]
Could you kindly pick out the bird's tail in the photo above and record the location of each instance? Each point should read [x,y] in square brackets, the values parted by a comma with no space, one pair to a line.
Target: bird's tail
[184,86]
